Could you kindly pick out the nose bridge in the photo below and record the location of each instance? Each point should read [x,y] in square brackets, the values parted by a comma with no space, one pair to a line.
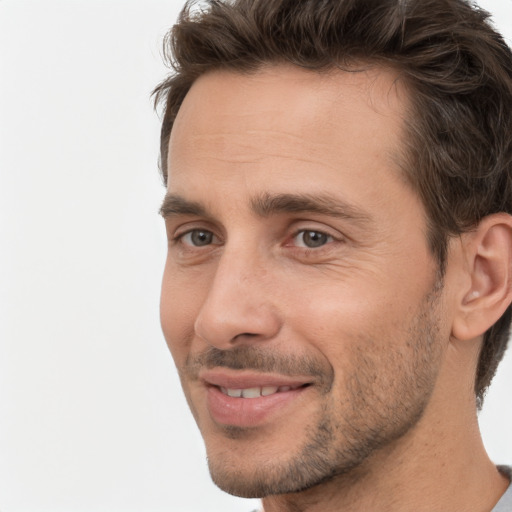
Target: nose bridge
[238,305]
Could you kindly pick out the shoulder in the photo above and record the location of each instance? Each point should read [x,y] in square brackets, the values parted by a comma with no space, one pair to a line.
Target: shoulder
[505,503]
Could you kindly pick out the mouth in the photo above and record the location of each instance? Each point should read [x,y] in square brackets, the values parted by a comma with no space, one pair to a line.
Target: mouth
[257,392]
[241,399]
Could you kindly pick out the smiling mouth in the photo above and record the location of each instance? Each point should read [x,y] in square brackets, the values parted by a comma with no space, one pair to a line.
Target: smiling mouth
[257,392]
[250,400]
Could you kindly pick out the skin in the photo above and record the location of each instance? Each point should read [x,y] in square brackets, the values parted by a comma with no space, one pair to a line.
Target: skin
[346,298]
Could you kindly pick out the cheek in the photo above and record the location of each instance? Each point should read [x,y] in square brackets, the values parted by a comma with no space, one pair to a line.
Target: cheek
[180,302]
[339,307]
[342,320]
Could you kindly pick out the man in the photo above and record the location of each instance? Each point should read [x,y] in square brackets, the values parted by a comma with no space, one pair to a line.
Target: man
[338,284]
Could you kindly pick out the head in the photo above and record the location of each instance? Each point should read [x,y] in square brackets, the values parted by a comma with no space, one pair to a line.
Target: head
[457,69]
[444,76]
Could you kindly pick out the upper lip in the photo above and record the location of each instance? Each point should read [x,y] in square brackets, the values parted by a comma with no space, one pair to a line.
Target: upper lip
[245,380]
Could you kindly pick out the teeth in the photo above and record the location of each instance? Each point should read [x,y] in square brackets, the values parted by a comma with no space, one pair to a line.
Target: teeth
[256,392]
[268,390]
[251,393]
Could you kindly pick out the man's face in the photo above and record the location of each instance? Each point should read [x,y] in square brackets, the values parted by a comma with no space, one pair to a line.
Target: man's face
[300,300]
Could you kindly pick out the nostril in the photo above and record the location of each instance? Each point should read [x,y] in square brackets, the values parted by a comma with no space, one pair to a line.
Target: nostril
[245,335]
[227,318]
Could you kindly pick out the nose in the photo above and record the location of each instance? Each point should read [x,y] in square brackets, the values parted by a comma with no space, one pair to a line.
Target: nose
[239,307]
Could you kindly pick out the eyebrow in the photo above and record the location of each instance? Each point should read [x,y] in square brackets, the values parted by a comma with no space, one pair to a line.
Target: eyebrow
[266,205]
[174,205]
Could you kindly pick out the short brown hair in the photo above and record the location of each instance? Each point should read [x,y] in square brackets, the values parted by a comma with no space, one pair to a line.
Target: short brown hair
[458,71]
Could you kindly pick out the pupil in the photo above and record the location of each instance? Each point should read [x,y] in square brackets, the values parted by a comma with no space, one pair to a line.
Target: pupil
[314,238]
[201,238]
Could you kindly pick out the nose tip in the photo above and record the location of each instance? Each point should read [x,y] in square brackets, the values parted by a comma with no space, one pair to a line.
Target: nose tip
[226,324]
[237,310]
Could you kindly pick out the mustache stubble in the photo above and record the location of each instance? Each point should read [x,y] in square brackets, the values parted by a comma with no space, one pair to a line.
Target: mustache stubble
[262,360]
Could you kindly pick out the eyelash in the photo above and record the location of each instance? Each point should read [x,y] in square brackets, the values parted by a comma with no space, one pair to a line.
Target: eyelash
[329,238]
[326,237]
[180,238]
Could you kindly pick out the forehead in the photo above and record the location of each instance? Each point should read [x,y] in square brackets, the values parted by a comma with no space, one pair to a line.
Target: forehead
[286,121]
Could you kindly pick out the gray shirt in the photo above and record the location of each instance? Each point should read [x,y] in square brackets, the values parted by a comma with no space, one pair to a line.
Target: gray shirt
[505,503]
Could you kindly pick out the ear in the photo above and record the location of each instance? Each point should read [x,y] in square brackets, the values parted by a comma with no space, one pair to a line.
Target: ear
[488,291]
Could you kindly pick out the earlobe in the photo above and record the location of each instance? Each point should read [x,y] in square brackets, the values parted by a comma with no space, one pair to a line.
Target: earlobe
[488,251]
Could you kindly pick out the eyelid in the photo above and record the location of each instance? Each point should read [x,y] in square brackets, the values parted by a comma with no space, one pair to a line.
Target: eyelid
[176,233]
[177,237]
[182,236]
[317,227]
[176,229]
[327,235]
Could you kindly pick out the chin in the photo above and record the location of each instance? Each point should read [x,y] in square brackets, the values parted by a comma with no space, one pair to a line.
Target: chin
[258,470]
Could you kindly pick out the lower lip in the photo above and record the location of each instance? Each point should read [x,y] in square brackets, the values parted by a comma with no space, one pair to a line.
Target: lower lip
[248,412]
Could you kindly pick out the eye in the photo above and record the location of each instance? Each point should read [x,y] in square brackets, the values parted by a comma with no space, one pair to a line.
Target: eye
[312,239]
[198,238]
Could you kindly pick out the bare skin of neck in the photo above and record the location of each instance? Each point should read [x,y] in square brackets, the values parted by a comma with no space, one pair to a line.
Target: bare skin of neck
[440,465]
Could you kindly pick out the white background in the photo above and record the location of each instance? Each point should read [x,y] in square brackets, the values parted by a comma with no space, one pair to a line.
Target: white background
[92,417]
